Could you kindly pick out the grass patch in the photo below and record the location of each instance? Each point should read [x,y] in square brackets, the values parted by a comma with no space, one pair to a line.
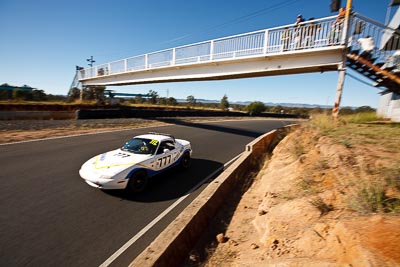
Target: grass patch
[372,197]
[372,182]
[362,117]
[357,129]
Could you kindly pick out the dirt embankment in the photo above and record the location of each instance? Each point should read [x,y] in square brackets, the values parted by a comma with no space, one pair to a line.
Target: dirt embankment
[316,202]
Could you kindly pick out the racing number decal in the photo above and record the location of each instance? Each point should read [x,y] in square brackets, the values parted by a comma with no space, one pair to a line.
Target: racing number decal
[164,161]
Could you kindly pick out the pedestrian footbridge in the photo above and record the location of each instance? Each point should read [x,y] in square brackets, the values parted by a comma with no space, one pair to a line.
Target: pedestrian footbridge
[313,46]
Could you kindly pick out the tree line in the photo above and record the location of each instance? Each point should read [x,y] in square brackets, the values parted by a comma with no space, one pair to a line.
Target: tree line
[100,96]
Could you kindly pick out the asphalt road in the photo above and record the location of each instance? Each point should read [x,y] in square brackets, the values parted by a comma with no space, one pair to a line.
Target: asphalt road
[50,217]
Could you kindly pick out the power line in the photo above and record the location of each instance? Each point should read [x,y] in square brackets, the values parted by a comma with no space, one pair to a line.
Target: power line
[253,14]
[237,20]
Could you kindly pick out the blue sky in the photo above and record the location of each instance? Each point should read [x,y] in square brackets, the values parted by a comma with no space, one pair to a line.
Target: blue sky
[43,40]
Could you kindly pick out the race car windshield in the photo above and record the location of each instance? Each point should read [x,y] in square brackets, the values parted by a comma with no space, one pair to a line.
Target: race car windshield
[141,146]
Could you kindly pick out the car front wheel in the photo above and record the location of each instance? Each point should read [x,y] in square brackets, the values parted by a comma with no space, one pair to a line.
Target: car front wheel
[138,182]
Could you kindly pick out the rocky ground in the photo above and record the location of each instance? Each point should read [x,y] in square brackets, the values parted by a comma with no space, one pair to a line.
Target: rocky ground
[320,200]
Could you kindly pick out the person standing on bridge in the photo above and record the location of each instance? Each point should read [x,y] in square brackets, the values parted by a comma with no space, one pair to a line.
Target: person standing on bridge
[337,27]
[298,33]
[286,36]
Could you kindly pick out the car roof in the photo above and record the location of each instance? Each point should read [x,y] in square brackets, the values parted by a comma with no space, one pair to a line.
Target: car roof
[157,137]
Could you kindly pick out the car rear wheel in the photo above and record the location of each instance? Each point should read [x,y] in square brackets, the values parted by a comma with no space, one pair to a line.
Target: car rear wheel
[138,182]
[185,160]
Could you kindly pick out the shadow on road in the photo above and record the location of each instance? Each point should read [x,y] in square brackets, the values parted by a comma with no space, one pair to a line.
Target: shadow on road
[212,127]
[173,183]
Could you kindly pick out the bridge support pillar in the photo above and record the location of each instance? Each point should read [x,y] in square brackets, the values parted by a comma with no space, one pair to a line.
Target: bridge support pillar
[342,74]
[342,66]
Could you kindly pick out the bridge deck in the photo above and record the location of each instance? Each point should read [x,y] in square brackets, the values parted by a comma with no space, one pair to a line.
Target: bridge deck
[312,46]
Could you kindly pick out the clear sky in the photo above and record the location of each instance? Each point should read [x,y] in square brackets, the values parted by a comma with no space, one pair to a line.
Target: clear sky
[43,40]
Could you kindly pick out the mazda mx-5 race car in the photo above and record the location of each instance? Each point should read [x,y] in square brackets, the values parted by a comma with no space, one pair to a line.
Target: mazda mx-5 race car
[133,164]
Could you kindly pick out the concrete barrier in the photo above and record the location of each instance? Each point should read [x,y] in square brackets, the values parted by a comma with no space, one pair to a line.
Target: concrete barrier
[172,246]
[157,113]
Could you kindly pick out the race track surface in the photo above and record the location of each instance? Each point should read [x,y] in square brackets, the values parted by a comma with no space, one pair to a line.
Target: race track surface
[51,217]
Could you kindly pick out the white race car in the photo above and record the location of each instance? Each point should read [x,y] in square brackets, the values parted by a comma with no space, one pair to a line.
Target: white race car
[140,158]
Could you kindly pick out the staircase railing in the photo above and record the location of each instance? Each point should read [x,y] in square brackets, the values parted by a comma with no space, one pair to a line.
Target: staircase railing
[387,40]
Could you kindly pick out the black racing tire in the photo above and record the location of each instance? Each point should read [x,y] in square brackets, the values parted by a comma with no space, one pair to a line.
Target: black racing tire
[138,182]
[185,162]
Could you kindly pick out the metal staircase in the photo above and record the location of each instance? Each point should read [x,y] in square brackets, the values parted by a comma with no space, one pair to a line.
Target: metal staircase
[376,65]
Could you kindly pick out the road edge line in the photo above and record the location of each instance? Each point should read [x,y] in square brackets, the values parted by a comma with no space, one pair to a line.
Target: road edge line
[163,214]
[174,243]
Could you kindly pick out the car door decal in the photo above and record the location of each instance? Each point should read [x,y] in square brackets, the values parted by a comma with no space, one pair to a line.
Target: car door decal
[164,161]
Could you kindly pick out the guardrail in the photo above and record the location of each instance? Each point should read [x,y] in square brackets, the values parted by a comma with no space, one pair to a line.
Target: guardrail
[172,246]
[307,35]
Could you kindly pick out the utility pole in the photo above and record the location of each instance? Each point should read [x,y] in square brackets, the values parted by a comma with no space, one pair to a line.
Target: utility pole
[342,66]
[91,61]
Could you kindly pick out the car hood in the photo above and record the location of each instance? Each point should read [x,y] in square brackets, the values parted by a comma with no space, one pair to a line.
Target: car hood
[115,161]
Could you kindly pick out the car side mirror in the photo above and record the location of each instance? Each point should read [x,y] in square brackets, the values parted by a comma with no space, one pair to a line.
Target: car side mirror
[165,150]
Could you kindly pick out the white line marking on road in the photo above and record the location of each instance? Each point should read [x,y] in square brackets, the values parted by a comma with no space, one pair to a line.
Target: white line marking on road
[162,215]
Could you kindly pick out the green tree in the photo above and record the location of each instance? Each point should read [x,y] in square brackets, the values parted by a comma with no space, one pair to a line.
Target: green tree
[5,94]
[162,101]
[191,100]
[94,93]
[255,108]
[38,95]
[139,99]
[153,99]
[365,109]
[172,101]
[19,94]
[224,105]
[74,94]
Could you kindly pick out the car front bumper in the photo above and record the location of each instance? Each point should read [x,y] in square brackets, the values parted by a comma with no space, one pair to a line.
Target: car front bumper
[94,180]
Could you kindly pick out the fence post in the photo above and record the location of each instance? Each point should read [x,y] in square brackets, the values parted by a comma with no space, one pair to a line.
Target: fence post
[173,56]
[211,49]
[265,42]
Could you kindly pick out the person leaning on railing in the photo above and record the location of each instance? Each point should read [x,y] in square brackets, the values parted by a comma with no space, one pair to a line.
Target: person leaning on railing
[337,27]
[298,32]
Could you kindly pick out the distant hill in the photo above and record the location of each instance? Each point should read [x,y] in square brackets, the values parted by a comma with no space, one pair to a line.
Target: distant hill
[245,103]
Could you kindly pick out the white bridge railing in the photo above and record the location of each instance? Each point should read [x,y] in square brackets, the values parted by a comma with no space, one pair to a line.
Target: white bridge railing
[307,35]
[313,34]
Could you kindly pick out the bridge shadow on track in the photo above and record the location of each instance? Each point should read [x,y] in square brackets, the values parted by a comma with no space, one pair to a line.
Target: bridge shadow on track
[173,183]
[212,127]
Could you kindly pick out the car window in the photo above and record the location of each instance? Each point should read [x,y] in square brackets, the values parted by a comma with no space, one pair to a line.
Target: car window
[141,146]
[170,145]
